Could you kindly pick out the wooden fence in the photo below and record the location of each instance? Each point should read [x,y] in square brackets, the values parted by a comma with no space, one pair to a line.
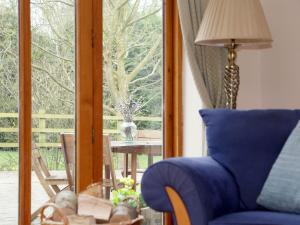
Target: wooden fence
[42,130]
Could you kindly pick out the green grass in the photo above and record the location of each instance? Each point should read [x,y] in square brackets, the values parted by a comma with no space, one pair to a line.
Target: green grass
[9,160]
[142,161]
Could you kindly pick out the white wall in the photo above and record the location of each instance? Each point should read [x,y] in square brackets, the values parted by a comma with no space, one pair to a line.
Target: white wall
[250,90]
[191,119]
[280,74]
[269,78]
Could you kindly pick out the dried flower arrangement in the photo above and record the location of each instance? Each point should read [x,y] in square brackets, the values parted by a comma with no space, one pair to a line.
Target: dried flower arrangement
[128,107]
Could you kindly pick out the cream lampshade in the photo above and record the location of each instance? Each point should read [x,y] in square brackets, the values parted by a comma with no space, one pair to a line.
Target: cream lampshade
[234,24]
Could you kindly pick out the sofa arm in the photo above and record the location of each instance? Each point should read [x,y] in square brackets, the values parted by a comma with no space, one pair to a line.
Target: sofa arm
[206,189]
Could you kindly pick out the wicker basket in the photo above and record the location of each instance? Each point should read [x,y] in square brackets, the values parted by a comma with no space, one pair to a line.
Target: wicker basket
[95,190]
[49,221]
[137,221]
[65,221]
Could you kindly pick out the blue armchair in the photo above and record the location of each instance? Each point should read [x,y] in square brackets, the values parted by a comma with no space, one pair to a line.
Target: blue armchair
[222,189]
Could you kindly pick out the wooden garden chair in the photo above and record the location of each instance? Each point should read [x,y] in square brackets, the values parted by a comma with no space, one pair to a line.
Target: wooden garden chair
[50,183]
[68,147]
[146,135]
[109,181]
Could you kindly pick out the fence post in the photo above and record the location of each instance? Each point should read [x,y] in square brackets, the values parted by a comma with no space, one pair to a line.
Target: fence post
[42,125]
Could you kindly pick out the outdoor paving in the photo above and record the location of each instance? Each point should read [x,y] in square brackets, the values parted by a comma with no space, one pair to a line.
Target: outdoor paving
[9,195]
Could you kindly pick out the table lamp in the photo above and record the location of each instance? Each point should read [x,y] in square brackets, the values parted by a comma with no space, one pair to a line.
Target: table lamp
[234,24]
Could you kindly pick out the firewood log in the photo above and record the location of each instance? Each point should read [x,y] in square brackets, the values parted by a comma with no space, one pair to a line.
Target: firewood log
[91,206]
[123,212]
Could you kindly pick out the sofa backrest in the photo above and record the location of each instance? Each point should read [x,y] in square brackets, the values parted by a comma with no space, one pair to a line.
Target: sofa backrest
[247,144]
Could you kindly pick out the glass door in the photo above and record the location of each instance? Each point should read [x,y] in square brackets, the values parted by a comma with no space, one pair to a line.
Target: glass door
[132,93]
[39,100]
[53,100]
[9,95]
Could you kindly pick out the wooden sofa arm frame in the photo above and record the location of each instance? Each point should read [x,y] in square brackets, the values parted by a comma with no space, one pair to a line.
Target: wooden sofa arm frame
[179,208]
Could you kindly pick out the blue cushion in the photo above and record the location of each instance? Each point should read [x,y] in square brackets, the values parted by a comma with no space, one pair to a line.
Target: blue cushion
[281,191]
[247,144]
[257,218]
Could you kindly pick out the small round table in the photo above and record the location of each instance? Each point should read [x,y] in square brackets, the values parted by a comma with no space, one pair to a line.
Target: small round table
[134,148]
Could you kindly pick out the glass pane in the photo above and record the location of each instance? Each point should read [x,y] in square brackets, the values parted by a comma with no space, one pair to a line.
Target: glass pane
[53,98]
[9,95]
[133,91]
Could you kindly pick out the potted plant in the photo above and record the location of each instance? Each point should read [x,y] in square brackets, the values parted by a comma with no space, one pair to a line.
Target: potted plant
[126,193]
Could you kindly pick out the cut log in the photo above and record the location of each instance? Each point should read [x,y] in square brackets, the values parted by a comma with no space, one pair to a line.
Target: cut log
[91,206]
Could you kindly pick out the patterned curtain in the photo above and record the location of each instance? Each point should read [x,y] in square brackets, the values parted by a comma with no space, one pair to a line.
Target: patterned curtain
[207,63]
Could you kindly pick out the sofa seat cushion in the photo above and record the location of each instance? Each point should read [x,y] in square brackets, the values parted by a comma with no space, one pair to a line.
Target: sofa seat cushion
[257,218]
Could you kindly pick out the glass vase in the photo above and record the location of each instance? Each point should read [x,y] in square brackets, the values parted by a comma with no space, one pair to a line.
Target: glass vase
[128,131]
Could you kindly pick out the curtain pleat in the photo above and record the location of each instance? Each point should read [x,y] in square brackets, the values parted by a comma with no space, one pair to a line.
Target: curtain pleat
[207,63]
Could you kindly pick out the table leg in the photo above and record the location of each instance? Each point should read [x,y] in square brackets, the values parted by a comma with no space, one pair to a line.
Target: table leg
[107,179]
[150,160]
[133,167]
[125,166]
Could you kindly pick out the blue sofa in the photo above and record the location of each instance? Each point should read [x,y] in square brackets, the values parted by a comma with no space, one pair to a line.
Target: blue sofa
[222,189]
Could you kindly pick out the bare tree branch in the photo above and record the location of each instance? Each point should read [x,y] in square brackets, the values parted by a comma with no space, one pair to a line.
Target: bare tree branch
[111,110]
[145,86]
[59,83]
[147,76]
[54,30]
[54,1]
[138,68]
[131,14]
[51,53]
[122,4]
[143,17]
[149,100]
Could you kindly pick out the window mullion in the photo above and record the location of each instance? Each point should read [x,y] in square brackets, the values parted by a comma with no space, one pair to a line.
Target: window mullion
[25,113]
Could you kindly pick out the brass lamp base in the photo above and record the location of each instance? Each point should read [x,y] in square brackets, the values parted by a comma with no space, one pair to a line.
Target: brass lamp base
[231,78]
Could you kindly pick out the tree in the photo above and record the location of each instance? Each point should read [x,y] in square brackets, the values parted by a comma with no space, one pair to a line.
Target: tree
[53,54]
[132,50]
